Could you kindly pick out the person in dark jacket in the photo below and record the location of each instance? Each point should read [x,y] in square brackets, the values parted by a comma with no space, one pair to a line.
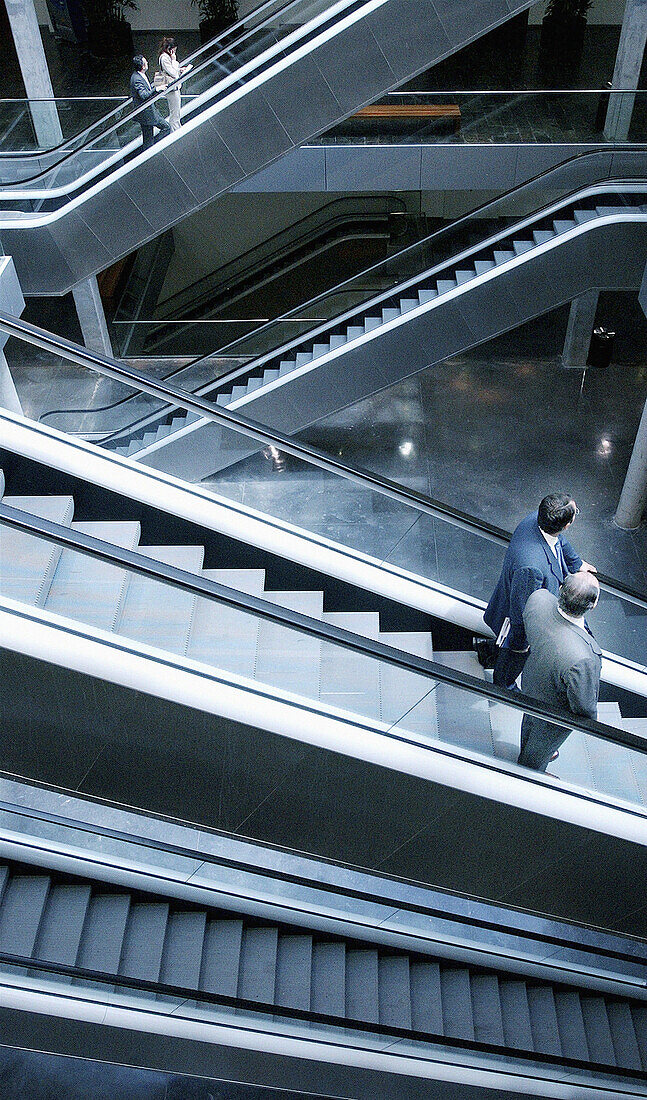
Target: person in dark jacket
[539,556]
[563,666]
[141,91]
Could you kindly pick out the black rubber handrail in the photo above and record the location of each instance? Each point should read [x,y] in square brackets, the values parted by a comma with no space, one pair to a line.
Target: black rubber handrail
[347,891]
[345,1023]
[310,455]
[132,561]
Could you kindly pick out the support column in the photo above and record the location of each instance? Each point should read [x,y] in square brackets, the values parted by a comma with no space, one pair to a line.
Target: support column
[634,491]
[8,395]
[35,74]
[627,70]
[581,320]
[92,318]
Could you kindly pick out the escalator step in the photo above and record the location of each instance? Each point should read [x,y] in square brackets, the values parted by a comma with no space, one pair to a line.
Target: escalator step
[103,935]
[320,349]
[144,940]
[303,357]
[394,985]
[329,978]
[294,971]
[241,391]
[33,561]
[286,367]
[23,905]
[425,296]
[353,332]
[408,303]
[623,1035]
[221,957]
[337,340]
[254,383]
[598,1031]
[445,285]
[372,322]
[516,1014]
[481,266]
[390,314]
[257,980]
[426,1000]
[639,1017]
[522,246]
[486,1008]
[270,375]
[93,591]
[502,256]
[463,276]
[61,928]
[182,955]
[563,225]
[228,639]
[161,615]
[582,216]
[570,1022]
[542,236]
[224,398]
[456,996]
[362,987]
[543,1020]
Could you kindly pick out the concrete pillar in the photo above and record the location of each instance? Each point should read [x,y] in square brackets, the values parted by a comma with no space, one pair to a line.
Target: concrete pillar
[581,320]
[634,491]
[627,70]
[35,74]
[92,318]
[8,395]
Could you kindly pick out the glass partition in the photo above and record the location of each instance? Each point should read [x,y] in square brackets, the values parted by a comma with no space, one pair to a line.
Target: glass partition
[70,115]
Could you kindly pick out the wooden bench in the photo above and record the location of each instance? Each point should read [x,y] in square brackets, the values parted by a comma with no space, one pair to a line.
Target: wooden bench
[404,112]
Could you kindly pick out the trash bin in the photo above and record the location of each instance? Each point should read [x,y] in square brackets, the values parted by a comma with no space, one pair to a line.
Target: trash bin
[601,347]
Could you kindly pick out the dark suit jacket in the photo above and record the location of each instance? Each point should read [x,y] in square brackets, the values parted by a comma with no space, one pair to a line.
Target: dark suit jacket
[141,90]
[529,564]
[564,663]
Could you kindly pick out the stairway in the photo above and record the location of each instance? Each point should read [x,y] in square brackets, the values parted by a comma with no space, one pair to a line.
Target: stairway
[318,673]
[76,922]
[404,332]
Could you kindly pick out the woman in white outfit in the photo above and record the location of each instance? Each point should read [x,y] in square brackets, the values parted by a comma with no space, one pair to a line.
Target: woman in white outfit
[170,66]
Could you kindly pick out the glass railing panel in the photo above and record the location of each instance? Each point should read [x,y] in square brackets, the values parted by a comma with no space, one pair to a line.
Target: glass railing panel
[72,116]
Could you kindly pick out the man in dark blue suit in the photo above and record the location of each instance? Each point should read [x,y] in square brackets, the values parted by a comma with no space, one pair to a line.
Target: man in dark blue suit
[141,91]
[538,557]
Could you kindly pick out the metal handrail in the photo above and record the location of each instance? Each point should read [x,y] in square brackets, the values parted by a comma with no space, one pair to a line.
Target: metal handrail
[254,430]
[100,550]
[346,1023]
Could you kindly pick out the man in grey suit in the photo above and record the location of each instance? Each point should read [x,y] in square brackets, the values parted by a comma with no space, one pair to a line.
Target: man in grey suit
[141,91]
[563,666]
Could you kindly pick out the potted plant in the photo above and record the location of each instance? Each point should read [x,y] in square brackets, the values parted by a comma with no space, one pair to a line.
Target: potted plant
[109,32]
[217,15]
[562,32]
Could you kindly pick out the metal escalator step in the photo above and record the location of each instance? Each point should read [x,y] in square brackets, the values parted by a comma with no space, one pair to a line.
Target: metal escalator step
[103,935]
[428,295]
[465,276]
[520,247]
[286,366]
[337,340]
[570,1022]
[482,266]
[486,1009]
[543,1020]
[351,680]
[320,349]
[598,1032]
[141,956]
[353,332]
[303,357]
[224,636]
[582,216]
[23,905]
[639,1017]
[623,1035]
[270,375]
[160,614]
[456,997]
[27,564]
[394,986]
[257,978]
[445,285]
[390,314]
[287,658]
[182,954]
[93,591]
[293,971]
[515,1014]
[254,383]
[221,957]
[329,978]
[426,998]
[59,935]
[224,398]
[407,694]
[362,987]
[408,303]
[563,225]
[240,391]
[605,211]
[372,322]
[502,255]
[542,236]
[163,431]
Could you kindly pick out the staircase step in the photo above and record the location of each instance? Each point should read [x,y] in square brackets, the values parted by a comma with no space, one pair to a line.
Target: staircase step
[221,957]
[362,985]
[293,971]
[160,614]
[27,564]
[182,955]
[258,956]
[23,906]
[329,978]
[60,931]
[141,956]
[394,986]
[89,590]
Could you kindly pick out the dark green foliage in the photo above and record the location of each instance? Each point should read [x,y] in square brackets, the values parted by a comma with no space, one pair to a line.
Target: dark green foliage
[103,12]
[565,11]
[221,11]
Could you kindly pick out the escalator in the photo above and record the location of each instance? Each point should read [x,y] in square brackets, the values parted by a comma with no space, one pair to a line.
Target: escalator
[491,271]
[292,71]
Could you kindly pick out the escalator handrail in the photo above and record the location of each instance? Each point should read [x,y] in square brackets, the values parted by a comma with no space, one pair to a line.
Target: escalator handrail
[21,191]
[199,586]
[306,453]
[328,1020]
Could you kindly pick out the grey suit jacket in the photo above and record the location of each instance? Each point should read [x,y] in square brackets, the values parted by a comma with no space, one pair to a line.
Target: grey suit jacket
[564,663]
